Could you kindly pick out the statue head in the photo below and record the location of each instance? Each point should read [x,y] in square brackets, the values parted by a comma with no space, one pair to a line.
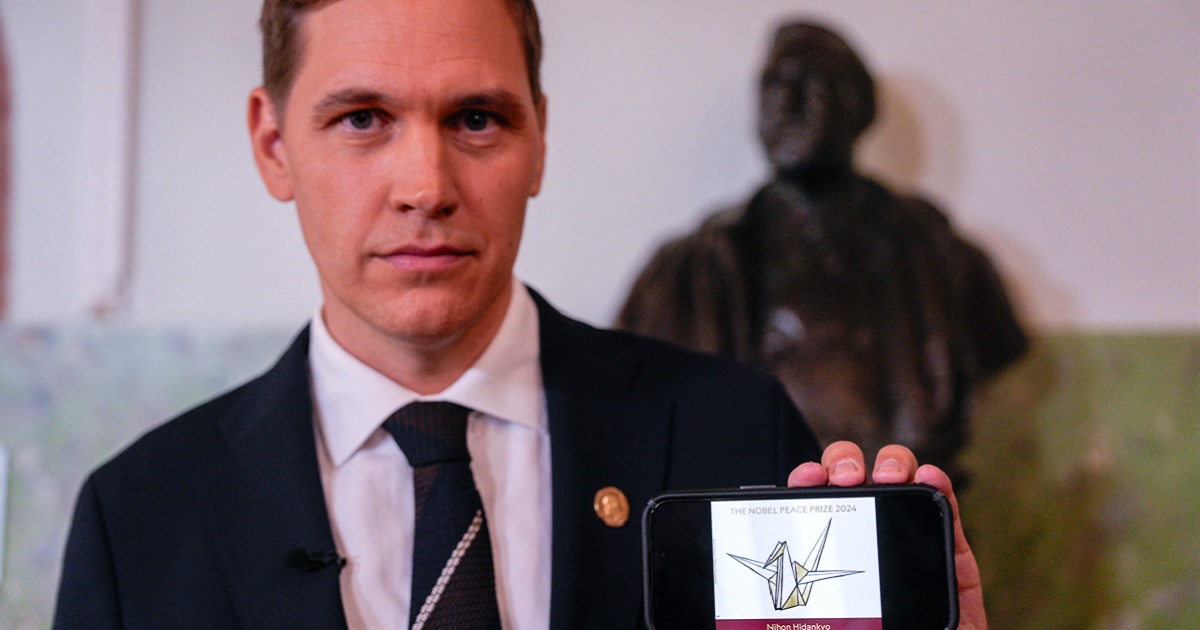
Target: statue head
[817,98]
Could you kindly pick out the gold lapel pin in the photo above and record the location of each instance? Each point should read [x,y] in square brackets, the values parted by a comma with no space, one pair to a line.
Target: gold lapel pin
[611,506]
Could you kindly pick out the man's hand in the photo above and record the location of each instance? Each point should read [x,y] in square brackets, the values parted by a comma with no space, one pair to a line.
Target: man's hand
[842,464]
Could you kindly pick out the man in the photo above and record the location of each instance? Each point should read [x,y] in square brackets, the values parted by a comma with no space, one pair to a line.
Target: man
[874,313]
[410,134]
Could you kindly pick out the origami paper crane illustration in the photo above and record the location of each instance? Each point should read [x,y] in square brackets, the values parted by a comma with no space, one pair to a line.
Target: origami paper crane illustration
[791,582]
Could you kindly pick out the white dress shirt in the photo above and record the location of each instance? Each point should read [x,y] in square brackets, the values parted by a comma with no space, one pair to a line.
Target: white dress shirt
[368,481]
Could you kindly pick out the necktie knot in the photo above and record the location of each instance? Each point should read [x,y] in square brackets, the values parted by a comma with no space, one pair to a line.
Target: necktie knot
[431,432]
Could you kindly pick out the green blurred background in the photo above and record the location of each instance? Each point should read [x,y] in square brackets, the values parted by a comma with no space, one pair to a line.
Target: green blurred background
[1085,504]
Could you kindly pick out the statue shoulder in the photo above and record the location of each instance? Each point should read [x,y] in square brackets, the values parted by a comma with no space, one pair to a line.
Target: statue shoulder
[725,219]
[713,239]
[692,288]
[709,246]
[921,211]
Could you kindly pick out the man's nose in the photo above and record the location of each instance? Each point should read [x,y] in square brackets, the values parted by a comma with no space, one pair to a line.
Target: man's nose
[422,171]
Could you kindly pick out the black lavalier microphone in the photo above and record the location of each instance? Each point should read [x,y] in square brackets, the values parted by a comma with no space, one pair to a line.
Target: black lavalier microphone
[304,560]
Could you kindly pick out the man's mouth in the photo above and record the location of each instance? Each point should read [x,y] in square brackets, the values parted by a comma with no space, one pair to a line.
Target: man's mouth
[427,259]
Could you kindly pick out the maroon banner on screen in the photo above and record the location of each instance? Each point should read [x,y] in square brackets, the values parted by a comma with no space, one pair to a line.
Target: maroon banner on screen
[800,624]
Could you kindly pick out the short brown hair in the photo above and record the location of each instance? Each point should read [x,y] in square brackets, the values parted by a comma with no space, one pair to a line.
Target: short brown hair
[281,45]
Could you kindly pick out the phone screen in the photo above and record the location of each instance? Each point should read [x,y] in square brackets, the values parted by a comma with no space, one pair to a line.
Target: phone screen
[829,559]
[796,564]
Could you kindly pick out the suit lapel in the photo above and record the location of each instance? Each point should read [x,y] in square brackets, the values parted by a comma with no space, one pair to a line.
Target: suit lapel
[265,498]
[602,433]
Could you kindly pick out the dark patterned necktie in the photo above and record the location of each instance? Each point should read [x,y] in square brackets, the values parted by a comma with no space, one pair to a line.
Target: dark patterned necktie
[453,585]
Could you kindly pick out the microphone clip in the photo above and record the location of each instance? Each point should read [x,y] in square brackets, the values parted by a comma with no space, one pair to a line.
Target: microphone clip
[302,559]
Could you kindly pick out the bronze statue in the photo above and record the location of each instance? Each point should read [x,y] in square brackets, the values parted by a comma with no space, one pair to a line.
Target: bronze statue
[877,317]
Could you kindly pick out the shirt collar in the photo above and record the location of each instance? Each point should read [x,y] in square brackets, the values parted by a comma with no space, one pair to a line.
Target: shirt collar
[352,400]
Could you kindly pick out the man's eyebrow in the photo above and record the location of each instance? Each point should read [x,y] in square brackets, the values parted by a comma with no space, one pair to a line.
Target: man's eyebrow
[352,98]
[503,102]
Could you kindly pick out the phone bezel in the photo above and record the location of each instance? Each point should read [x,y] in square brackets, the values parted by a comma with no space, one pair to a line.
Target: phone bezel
[773,493]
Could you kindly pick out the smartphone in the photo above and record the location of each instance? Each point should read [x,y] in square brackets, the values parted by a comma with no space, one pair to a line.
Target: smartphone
[861,558]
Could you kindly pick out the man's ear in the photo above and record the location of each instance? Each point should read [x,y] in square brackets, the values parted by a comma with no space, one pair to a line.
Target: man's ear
[541,157]
[266,138]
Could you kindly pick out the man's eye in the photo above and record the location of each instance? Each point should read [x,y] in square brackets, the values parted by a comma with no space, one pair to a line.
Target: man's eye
[361,120]
[476,120]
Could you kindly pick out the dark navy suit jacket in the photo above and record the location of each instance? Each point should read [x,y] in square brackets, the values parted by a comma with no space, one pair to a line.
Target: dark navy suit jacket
[189,526]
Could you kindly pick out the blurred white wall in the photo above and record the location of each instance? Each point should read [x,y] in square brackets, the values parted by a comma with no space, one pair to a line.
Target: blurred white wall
[1063,136]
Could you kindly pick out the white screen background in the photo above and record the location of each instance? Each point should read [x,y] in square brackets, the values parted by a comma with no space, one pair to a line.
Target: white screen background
[750,529]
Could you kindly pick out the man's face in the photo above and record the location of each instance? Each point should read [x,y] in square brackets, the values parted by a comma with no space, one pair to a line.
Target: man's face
[805,120]
[410,143]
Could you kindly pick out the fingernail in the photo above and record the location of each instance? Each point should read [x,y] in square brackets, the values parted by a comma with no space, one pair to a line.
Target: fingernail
[890,465]
[845,466]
